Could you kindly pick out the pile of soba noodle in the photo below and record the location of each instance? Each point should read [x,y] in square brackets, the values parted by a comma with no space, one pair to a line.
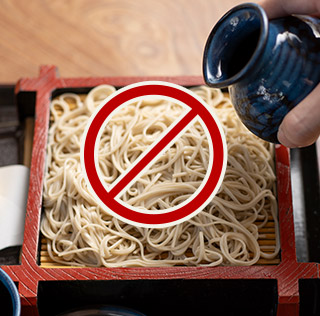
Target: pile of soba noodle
[79,233]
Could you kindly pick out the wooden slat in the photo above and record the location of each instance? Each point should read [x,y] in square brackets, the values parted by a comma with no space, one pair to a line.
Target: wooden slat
[267,236]
[266,230]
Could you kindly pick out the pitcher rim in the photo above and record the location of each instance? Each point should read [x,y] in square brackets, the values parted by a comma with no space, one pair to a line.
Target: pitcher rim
[263,36]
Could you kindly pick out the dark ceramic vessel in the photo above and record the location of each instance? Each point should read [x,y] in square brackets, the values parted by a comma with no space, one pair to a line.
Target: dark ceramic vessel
[269,66]
[15,308]
[107,310]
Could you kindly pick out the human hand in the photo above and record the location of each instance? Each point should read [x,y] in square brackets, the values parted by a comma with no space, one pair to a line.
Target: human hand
[301,126]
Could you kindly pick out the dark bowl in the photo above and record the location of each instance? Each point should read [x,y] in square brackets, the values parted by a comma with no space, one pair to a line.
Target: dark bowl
[107,310]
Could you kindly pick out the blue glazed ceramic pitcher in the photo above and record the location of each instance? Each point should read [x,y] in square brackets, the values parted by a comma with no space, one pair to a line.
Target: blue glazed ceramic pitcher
[269,66]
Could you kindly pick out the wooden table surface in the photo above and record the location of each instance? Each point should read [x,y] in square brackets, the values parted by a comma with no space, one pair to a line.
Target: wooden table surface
[106,37]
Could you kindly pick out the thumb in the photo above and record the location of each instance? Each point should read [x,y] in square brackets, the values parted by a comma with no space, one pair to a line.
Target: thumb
[301,126]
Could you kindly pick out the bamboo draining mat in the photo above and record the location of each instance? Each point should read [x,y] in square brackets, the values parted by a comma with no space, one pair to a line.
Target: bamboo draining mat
[266,240]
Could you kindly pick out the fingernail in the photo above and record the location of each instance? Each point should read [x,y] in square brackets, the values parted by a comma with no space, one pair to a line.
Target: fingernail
[282,137]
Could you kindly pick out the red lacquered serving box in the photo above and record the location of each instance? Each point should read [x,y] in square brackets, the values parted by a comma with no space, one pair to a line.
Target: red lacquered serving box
[35,283]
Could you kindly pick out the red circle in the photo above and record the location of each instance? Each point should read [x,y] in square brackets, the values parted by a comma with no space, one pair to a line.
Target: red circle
[195,105]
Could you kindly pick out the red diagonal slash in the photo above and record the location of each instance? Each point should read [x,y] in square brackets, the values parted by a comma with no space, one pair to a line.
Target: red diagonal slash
[164,141]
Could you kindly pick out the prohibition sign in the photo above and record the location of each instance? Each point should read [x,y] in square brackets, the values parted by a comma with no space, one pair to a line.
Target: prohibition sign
[107,198]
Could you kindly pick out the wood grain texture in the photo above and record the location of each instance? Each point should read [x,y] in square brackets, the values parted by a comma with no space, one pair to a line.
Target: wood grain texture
[106,37]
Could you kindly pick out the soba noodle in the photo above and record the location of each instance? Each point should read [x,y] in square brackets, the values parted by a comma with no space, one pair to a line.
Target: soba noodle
[80,233]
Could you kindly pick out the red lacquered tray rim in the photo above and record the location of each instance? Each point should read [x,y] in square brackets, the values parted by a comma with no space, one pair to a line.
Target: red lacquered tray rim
[29,273]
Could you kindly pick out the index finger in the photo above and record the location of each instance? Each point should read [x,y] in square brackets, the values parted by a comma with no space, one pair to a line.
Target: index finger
[280,8]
